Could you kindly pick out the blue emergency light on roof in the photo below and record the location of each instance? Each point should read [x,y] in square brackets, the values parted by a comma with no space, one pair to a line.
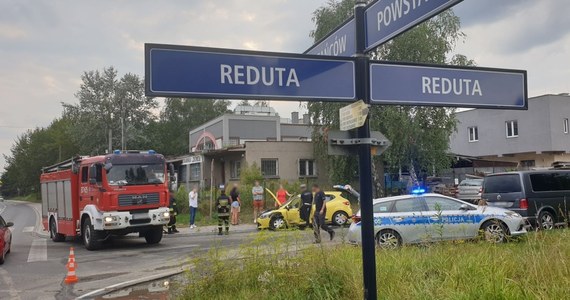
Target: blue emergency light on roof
[117,152]
[418,191]
[151,152]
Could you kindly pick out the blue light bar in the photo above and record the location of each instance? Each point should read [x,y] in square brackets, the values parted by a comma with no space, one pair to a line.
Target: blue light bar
[151,152]
[418,191]
[117,152]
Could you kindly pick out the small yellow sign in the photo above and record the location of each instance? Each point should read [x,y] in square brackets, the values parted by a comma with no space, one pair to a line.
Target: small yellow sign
[353,116]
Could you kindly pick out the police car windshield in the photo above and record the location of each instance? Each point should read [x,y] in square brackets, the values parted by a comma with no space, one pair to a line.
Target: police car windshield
[136,174]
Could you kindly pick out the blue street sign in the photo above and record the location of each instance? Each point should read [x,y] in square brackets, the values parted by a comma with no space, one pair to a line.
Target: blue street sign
[178,71]
[340,42]
[387,19]
[425,85]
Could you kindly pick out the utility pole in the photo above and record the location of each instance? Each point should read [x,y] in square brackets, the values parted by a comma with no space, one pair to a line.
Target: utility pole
[365,158]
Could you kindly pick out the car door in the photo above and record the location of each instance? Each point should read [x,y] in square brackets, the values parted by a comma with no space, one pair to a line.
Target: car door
[408,219]
[293,215]
[449,219]
[5,234]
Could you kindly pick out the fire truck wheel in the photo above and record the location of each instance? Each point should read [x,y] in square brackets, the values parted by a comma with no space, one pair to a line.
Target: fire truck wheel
[56,237]
[153,236]
[91,238]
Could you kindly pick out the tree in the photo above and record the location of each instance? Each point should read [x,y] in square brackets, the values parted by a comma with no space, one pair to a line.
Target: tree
[107,102]
[34,150]
[419,135]
[169,135]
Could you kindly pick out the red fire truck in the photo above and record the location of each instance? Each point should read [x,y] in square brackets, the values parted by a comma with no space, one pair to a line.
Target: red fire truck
[100,196]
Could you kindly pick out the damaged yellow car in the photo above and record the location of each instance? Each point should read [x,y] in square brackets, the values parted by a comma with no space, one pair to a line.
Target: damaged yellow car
[287,215]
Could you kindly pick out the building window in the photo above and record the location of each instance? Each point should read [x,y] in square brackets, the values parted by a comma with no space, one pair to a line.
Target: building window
[566,125]
[269,167]
[195,172]
[473,134]
[307,168]
[235,169]
[512,129]
[527,164]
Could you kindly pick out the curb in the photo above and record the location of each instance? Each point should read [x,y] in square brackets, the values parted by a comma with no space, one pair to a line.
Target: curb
[126,284]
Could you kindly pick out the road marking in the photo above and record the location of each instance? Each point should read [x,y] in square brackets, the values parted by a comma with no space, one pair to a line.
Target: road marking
[10,284]
[38,251]
[28,229]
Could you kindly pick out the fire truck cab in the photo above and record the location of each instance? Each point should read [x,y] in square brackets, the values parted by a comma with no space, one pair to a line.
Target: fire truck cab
[100,196]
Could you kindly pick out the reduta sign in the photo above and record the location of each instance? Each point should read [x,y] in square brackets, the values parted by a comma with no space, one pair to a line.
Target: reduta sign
[386,19]
[221,73]
[428,85]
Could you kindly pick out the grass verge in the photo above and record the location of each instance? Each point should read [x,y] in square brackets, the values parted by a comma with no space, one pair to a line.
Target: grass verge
[536,267]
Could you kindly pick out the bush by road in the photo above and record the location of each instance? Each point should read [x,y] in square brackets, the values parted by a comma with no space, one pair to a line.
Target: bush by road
[536,267]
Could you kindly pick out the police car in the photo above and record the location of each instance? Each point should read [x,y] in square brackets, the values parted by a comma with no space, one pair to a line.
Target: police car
[420,217]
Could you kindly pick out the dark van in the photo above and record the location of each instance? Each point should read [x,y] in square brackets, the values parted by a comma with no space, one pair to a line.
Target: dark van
[543,197]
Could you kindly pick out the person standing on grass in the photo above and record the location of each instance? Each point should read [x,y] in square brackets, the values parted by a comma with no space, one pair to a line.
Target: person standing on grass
[257,192]
[306,204]
[193,205]
[236,204]
[223,205]
[320,212]
[282,195]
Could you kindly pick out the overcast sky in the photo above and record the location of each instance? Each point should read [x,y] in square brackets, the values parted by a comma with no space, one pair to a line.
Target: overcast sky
[46,45]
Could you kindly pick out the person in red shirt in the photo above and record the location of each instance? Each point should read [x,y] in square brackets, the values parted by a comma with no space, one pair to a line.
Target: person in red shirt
[282,195]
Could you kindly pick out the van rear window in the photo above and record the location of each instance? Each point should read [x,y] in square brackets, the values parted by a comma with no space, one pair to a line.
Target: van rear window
[550,182]
[510,183]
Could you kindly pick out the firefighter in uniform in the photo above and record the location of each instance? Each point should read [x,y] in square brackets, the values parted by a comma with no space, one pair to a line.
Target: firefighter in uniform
[223,204]
[173,212]
[306,203]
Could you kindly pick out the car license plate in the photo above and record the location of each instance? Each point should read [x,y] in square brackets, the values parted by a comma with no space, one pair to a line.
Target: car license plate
[140,216]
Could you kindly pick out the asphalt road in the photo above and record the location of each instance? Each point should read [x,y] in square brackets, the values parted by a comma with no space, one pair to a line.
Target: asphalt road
[36,267]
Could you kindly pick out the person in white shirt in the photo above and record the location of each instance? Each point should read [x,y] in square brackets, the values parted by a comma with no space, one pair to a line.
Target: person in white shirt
[193,205]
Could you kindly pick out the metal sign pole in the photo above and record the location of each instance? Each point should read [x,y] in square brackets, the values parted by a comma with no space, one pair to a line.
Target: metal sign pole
[365,159]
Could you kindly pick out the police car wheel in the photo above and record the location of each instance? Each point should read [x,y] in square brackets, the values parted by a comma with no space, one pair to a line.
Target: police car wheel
[494,232]
[276,222]
[388,239]
[340,218]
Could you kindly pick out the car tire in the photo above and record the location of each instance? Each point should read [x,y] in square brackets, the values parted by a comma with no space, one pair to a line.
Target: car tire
[2,257]
[154,236]
[91,238]
[276,223]
[495,232]
[388,239]
[545,220]
[56,237]
[340,218]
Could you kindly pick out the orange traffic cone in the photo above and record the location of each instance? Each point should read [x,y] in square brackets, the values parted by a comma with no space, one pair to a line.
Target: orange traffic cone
[71,265]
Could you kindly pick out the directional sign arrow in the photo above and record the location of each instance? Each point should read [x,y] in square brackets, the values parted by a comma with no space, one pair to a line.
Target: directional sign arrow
[428,85]
[387,19]
[184,71]
[340,42]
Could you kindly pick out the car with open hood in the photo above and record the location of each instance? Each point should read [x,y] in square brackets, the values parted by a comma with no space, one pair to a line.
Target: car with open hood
[287,215]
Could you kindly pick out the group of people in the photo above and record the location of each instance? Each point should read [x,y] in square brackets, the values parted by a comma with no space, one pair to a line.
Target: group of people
[228,207]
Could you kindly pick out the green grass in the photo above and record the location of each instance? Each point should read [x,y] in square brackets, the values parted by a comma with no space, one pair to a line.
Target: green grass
[535,267]
[30,198]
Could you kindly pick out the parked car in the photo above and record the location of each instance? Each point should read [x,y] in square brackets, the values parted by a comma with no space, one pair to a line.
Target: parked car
[542,197]
[470,190]
[430,217]
[287,215]
[5,239]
